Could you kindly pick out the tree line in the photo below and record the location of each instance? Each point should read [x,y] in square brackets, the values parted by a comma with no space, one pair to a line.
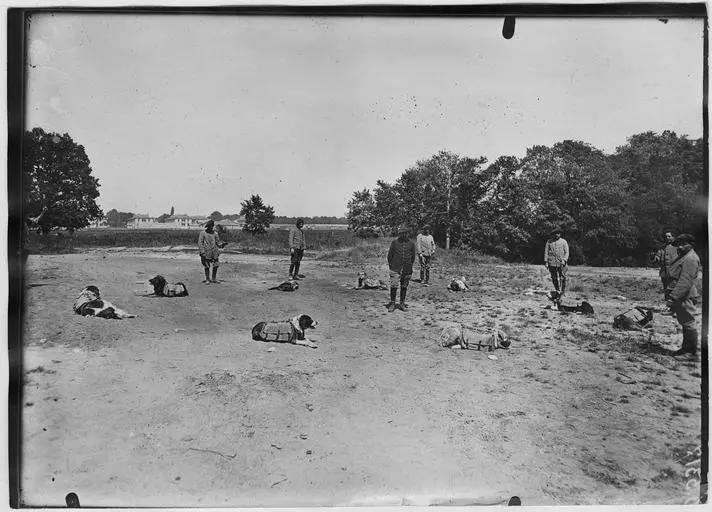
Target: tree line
[612,208]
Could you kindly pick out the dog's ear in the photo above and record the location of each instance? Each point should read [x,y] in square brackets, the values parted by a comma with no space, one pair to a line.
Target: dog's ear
[305,321]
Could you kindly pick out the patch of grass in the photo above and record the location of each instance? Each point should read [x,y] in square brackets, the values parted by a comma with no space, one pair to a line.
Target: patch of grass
[462,257]
[274,241]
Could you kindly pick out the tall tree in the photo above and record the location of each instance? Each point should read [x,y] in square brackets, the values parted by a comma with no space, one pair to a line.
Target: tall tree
[258,216]
[360,213]
[666,186]
[57,177]
[117,219]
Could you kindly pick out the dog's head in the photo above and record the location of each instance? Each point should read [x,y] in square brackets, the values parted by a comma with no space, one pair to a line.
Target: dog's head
[361,278]
[306,322]
[586,308]
[158,283]
[93,289]
[503,340]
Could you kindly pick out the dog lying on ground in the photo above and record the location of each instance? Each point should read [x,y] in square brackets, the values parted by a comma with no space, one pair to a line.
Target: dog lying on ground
[287,286]
[367,283]
[452,335]
[288,331]
[160,287]
[635,319]
[458,284]
[90,303]
[584,308]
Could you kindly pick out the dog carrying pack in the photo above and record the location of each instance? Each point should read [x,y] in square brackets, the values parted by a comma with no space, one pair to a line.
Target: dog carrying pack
[279,331]
[635,317]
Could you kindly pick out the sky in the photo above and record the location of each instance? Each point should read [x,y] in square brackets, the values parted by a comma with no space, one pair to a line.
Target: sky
[199,112]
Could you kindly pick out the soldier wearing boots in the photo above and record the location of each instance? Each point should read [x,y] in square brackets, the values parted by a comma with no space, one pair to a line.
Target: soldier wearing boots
[682,292]
[664,257]
[401,256]
[556,257]
[209,245]
[425,245]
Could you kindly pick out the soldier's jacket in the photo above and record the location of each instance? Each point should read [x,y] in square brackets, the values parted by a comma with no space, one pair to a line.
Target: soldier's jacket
[664,257]
[683,273]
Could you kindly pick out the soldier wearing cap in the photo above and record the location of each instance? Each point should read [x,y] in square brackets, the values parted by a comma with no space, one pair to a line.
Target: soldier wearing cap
[682,292]
[664,257]
[209,245]
[556,257]
[425,245]
[401,256]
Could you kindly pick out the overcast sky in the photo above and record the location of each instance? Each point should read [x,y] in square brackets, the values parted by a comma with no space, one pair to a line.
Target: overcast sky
[199,112]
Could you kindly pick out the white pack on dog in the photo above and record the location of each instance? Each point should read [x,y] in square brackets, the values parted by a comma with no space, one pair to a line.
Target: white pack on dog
[459,284]
[90,303]
[455,335]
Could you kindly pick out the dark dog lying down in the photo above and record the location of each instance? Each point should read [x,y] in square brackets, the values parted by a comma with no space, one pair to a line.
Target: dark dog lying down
[367,283]
[288,331]
[287,286]
[452,335]
[584,308]
[90,303]
[458,284]
[635,319]
[162,288]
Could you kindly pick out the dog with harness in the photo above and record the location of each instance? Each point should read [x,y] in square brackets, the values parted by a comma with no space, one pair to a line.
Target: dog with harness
[459,284]
[90,303]
[287,286]
[635,319]
[584,308]
[160,287]
[455,336]
[288,331]
[368,283]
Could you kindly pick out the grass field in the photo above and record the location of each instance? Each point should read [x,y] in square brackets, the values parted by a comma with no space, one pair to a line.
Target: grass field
[275,241]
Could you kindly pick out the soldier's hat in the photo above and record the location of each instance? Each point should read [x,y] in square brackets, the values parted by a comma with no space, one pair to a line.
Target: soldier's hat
[684,238]
[403,229]
[554,231]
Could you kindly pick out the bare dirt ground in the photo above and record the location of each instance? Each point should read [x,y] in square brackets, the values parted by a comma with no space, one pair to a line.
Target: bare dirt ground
[179,407]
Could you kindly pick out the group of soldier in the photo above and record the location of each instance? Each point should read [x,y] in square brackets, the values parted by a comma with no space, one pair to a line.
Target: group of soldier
[678,261]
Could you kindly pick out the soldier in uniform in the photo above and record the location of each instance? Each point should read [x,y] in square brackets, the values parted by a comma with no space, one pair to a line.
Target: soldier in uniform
[682,291]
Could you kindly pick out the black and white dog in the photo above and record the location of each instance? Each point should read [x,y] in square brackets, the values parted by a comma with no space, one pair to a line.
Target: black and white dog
[90,303]
[162,288]
[584,308]
[288,331]
[287,286]
[368,283]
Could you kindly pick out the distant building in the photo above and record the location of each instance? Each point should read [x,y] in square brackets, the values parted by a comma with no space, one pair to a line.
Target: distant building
[99,224]
[142,221]
[186,221]
[231,224]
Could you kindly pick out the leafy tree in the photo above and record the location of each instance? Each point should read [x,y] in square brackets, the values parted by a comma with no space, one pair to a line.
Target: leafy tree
[172,211]
[163,217]
[117,219]
[388,213]
[666,186]
[216,216]
[57,177]
[258,216]
[360,212]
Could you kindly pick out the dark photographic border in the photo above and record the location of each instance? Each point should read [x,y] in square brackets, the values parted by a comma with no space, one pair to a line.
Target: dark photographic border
[16,82]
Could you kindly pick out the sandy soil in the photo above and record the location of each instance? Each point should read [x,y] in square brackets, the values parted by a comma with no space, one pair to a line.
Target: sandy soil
[179,407]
